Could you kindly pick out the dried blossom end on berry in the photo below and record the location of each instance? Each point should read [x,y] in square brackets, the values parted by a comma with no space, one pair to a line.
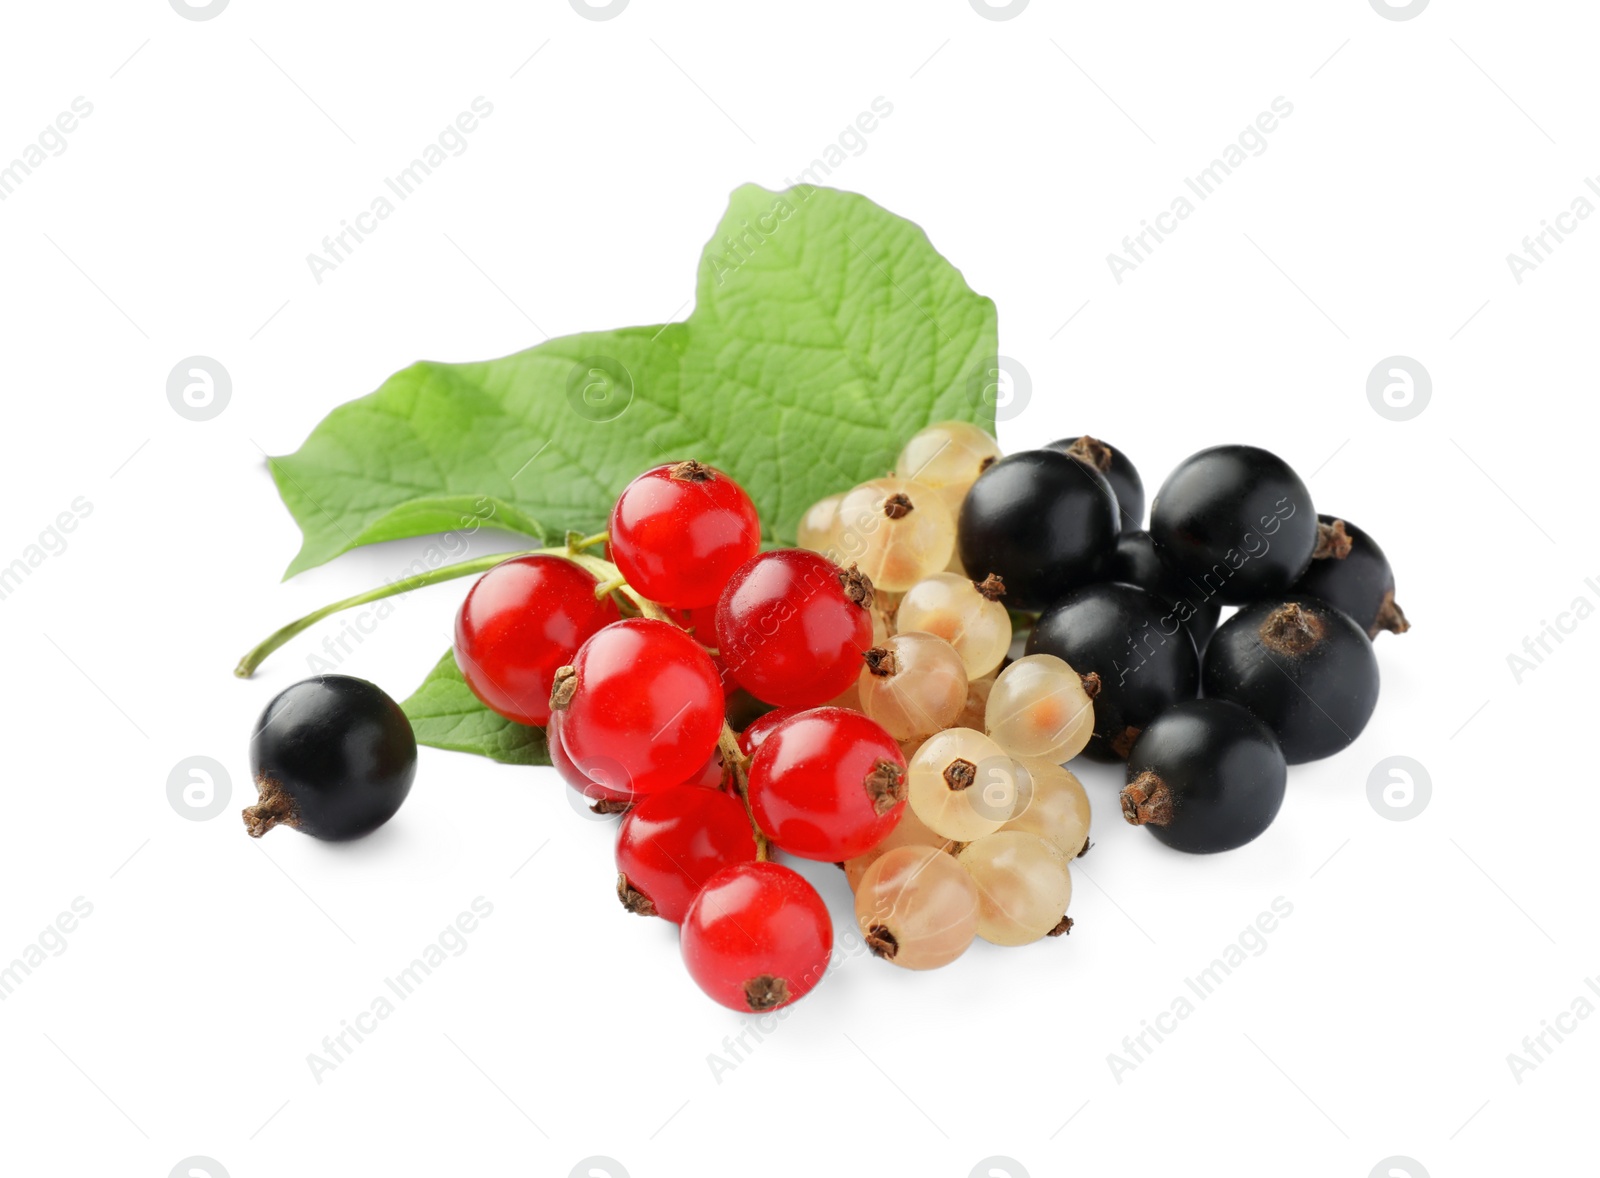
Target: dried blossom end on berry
[1390,617]
[882,943]
[1093,451]
[691,471]
[886,786]
[1333,541]
[274,807]
[564,688]
[765,993]
[881,662]
[1122,743]
[1292,630]
[1147,801]
[857,586]
[960,774]
[633,899]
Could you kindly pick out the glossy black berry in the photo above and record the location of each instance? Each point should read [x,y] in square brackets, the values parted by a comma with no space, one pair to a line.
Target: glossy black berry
[1135,561]
[1237,522]
[1205,776]
[1302,667]
[1119,472]
[1041,522]
[332,756]
[1133,641]
[1349,571]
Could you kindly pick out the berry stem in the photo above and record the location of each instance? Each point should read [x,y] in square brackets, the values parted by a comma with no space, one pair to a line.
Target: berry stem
[603,570]
[728,744]
[577,543]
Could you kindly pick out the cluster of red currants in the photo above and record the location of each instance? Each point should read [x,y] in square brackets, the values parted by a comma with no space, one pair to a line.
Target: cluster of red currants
[632,674]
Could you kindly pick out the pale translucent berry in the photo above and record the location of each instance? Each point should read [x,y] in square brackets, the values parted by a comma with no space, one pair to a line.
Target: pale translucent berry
[949,455]
[913,685]
[910,831]
[917,908]
[897,531]
[1041,707]
[1052,804]
[966,614]
[819,526]
[1024,887]
[962,785]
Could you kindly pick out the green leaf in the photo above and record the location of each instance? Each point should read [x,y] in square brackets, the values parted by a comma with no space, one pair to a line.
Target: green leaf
[825,332]
[446,715]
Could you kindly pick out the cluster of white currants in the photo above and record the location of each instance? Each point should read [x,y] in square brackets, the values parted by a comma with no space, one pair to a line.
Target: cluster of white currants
[993,818]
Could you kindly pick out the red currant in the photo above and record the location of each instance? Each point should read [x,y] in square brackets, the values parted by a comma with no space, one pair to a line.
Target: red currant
[762,727]
[672,842]
[757,937]
[520,621]
[828,784]
[679,531]
[644,695]
[792,627]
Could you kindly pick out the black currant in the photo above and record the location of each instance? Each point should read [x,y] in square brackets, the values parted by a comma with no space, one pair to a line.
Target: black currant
[1119,472]
[1236,521]
[1205,776]
[1302,667]
[1349,571]
[332,756]
[1135,643]
[1040,521]
[1135,561]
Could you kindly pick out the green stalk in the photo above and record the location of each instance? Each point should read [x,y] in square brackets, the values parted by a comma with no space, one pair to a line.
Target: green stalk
[603,570]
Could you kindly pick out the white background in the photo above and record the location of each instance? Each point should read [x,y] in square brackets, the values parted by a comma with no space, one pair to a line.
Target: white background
[1378,1020]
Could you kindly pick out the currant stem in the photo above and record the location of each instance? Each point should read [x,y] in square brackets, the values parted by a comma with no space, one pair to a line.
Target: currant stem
[602,570]
[728,743]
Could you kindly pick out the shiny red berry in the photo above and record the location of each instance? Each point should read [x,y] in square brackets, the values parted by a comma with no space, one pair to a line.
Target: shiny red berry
[762,727]
[520,621]
[757,937]
[672,842]
[828,784]
[792,627]
[642,694]
[679,531]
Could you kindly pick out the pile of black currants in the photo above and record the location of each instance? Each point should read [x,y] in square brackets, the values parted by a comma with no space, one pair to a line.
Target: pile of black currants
[1207,716]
